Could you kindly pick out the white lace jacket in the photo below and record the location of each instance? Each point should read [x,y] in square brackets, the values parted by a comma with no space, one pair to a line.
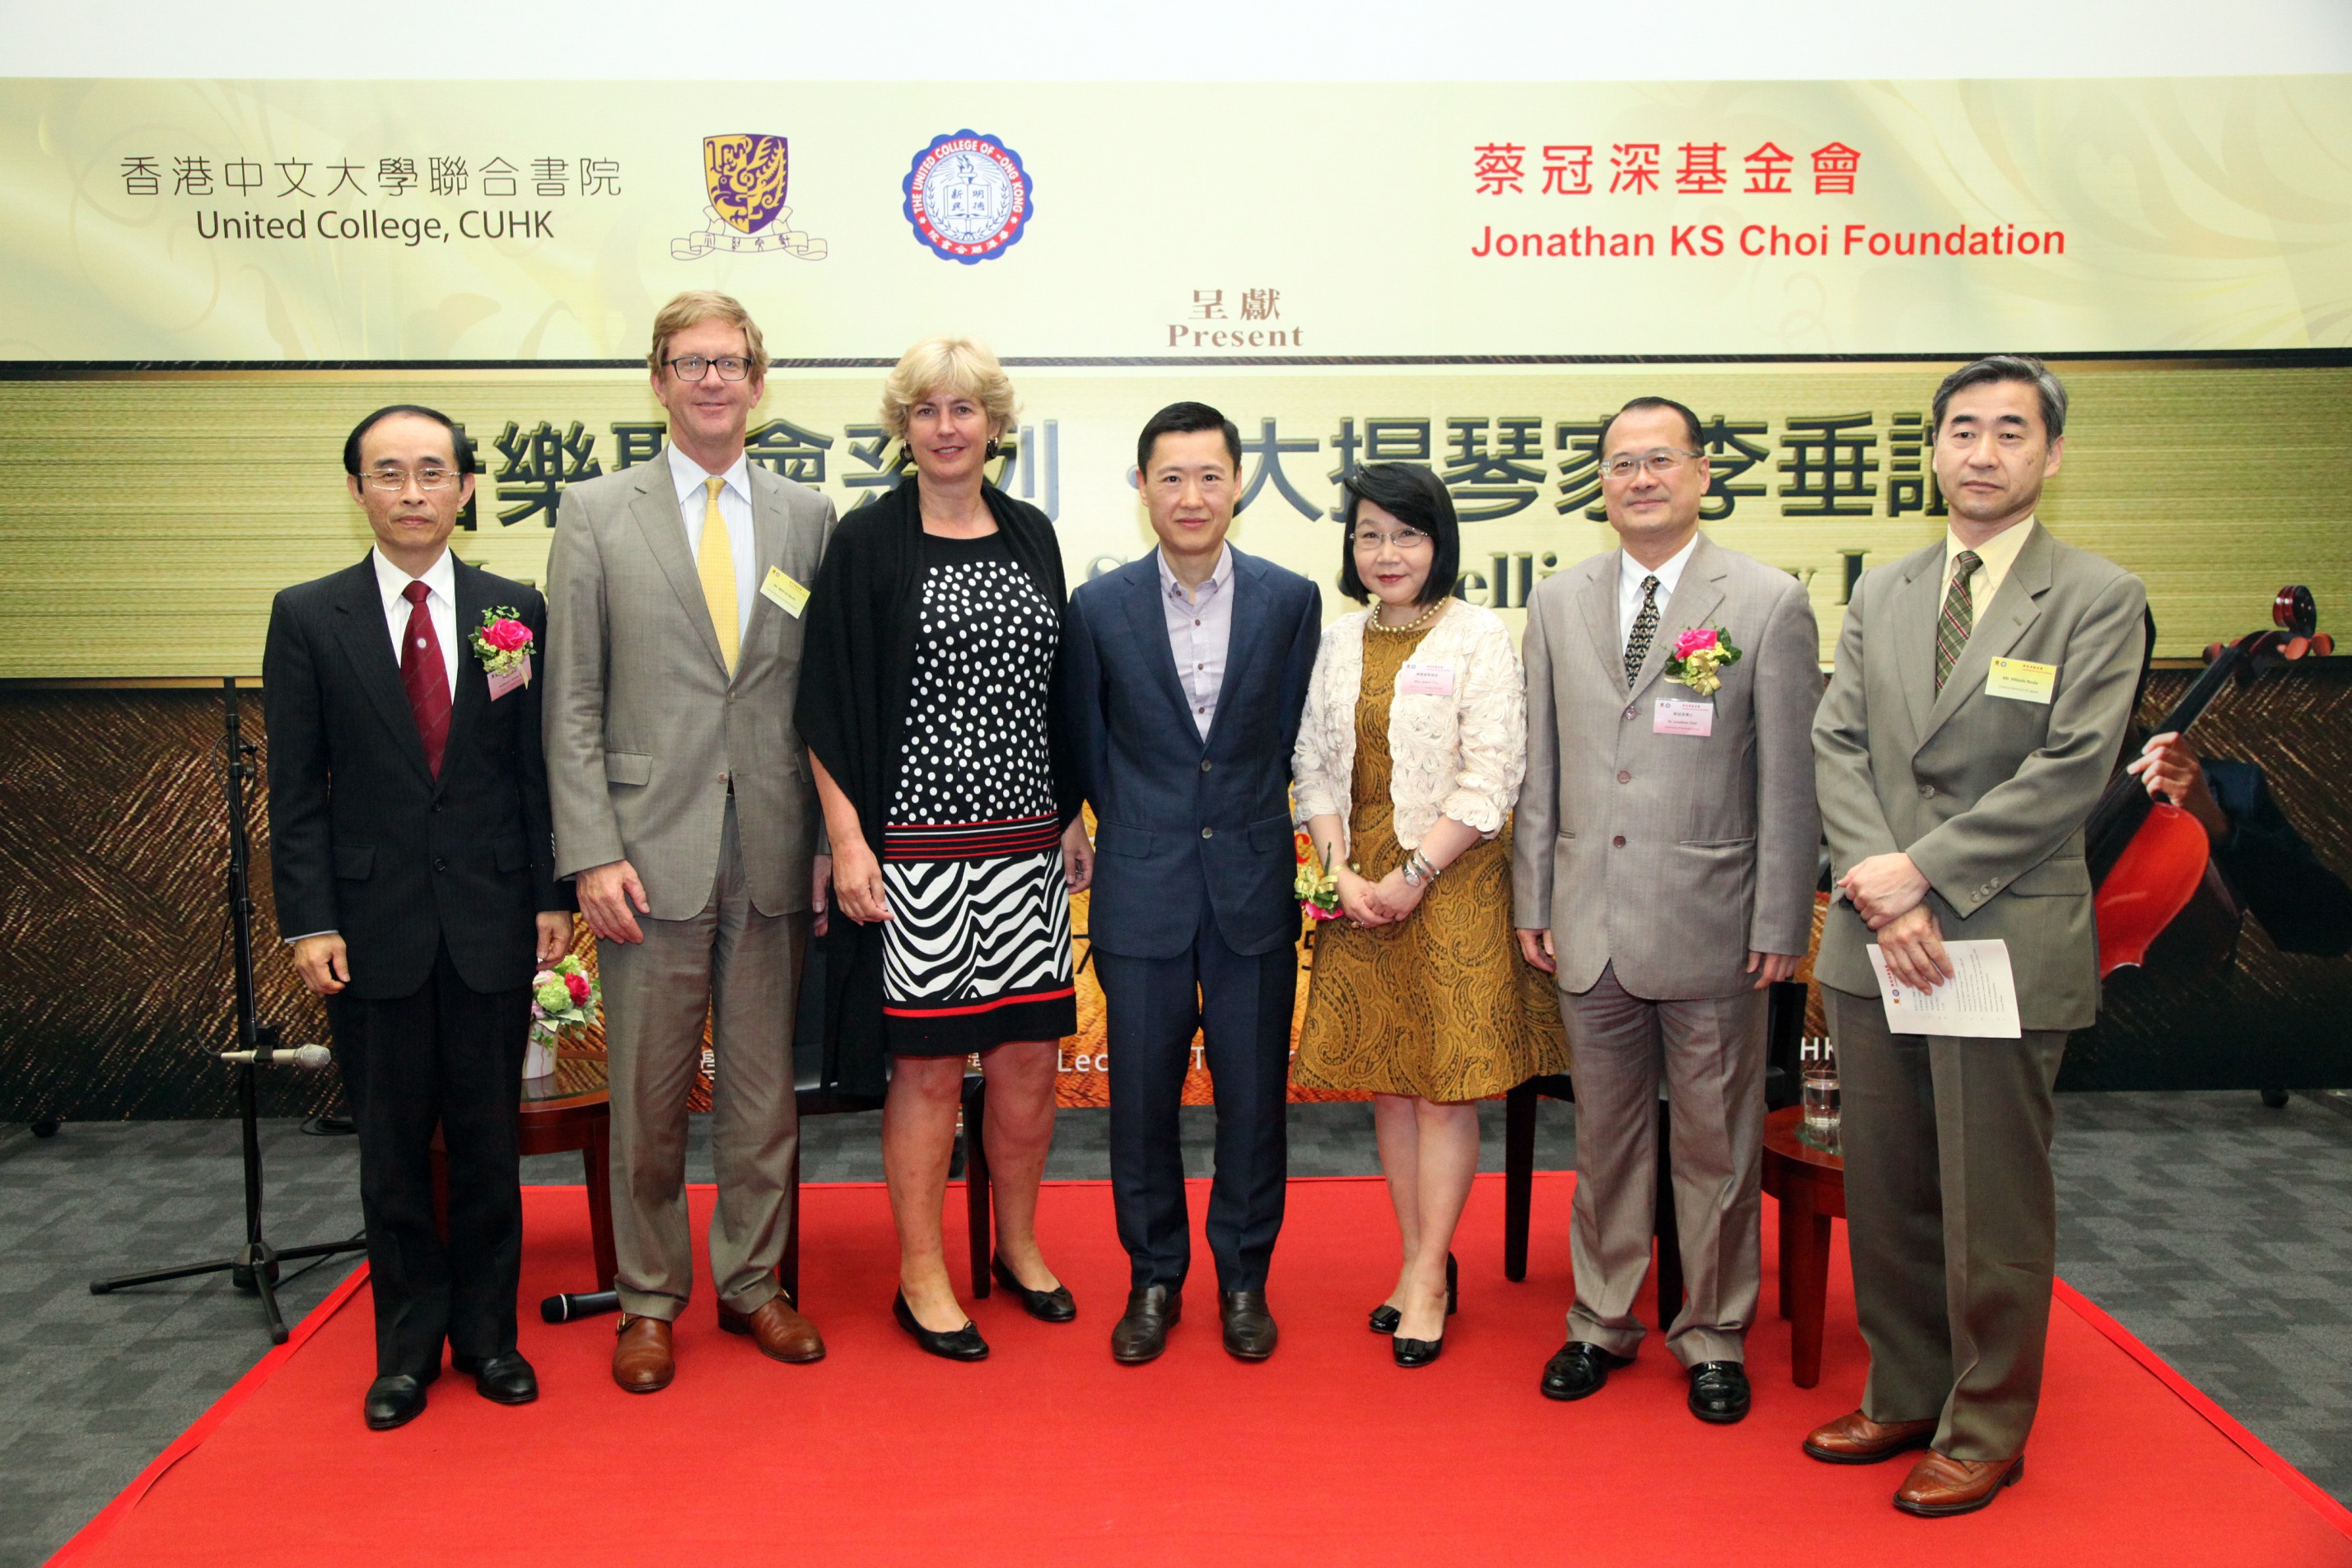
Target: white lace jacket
[1461,755]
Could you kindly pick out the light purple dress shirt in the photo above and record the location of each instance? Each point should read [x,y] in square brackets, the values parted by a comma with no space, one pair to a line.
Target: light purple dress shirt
[1200,628]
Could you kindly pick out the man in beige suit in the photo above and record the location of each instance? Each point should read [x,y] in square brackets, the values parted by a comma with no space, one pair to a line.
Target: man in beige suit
[1953,792]
[683,805]
[1664,865]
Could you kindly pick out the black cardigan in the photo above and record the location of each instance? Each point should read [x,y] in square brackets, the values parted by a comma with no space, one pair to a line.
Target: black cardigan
[857,669]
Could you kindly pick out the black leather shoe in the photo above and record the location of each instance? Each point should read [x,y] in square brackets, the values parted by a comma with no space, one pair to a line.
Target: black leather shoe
[1579,1369]
[1415,1352]
[1718,1392]
[956,1344]
[1054,1306]
[1250,1332]
[1384,1317]
[394,1401]
[1141,1332]
[503,1379]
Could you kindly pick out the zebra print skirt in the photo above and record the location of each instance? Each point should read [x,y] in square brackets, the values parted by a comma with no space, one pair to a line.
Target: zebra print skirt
[977,949]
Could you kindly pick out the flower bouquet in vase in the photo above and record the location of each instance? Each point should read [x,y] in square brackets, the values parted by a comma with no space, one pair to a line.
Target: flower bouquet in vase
[562,995]
[1317,885]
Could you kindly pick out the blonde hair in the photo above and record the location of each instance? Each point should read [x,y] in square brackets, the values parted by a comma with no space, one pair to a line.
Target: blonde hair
[955,365]
[696,306]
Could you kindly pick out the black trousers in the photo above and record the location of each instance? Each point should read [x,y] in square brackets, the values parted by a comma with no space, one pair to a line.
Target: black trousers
[1242,1006]
[448,1056]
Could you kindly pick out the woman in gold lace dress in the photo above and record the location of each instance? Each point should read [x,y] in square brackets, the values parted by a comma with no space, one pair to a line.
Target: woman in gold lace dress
[1409,759]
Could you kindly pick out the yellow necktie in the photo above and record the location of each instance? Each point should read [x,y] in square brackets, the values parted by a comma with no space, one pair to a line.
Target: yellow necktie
[715,564]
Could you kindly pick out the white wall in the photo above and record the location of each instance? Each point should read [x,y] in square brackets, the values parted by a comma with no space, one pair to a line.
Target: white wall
[1370,40]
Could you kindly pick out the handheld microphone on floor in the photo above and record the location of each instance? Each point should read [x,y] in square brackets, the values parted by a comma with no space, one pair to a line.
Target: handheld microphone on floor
[297,1056]
[587,1304]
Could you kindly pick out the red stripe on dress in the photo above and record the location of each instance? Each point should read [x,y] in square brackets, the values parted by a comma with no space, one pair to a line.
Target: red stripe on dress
[980,1006]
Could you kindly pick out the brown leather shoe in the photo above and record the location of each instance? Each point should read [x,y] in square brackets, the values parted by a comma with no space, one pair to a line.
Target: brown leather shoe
[641,1358]
[781,1332]
[1856,1439]
[1941,1485]
[1250,1332]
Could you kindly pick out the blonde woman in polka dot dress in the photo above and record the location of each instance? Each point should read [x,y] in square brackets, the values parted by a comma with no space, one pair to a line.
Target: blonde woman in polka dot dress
[933,638]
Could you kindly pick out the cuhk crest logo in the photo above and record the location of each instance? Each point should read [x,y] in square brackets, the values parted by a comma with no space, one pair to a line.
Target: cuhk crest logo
[745,176]
[968,197]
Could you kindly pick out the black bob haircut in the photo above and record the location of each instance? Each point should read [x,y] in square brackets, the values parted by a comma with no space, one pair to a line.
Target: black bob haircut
[459,444]
[1415,497]
[1183,419]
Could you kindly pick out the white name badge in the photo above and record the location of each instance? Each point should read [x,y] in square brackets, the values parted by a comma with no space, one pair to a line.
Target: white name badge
[1682,716]
[1418,679]
[2022,680]
[518,675]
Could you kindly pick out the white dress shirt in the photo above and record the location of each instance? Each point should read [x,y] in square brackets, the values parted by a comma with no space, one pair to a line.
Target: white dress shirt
[1630,574]
[734,510]
[1995,556]
[440,581]
[1200,633]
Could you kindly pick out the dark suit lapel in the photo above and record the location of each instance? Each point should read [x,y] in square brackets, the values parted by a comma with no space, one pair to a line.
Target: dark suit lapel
[1698,593]
[660,519]
[1150,624]
[473,695]
[1598,598]
[1245,642]
[367,643]
[2015,607]
[1918,602]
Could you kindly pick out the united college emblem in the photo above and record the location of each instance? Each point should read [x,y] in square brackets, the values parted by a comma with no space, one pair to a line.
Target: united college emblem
[968,197]
[744,176]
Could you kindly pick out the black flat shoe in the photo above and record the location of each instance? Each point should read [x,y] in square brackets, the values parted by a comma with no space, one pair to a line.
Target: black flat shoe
[394,1401]
[1578,1369]
[1385,1318]
[504,1379]
[956,1344]
[1054,1306]
[1718,1392]
[1415,1352]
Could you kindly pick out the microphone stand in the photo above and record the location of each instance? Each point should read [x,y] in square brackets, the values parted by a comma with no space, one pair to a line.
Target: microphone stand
[254,1269]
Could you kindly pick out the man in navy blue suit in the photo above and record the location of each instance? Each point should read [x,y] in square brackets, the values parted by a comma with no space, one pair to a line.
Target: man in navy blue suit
[1186,672]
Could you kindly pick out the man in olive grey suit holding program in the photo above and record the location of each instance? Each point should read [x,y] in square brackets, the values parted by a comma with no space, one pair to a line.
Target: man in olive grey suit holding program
[1982,689]
[684,807]
[1663,868]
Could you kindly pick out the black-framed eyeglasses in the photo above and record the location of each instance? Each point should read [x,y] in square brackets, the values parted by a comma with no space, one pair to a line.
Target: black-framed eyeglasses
[689,367]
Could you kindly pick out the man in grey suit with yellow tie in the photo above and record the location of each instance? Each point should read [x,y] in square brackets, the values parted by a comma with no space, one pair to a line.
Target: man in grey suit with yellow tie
[1981,692]
[683,805]
[1664,865]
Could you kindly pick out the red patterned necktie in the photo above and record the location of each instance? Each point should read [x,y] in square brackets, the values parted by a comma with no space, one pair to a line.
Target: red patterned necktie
[424,678]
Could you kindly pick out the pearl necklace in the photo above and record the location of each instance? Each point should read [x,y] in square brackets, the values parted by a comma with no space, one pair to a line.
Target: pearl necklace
[1414,624]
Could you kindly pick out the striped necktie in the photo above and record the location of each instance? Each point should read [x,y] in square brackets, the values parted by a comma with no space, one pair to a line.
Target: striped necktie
[714,563]
[1958,619]
[1646,628]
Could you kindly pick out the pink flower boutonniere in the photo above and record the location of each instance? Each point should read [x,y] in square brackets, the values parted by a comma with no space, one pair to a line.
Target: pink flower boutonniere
[502,642]
[1699,655]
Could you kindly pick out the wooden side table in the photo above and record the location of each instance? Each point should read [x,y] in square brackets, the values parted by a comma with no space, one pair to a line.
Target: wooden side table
[1811,1187]
[569,1109]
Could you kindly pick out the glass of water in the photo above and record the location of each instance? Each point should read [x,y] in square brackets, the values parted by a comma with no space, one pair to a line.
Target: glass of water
[1820,1127]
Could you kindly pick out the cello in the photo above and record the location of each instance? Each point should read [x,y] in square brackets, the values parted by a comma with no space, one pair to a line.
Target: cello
[2149,859]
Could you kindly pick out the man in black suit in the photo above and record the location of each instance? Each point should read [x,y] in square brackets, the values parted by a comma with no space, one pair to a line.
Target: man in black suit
[1186,674]
[414,863]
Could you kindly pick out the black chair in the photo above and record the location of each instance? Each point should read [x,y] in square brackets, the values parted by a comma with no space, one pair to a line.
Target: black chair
[1784,1029]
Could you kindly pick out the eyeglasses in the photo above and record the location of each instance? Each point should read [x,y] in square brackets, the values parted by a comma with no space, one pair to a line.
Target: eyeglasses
[1403,538]
[689,367]
[1662,462]
[393,480]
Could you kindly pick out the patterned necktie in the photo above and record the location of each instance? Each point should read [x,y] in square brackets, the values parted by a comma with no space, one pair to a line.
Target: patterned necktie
[714,563]
[424,677]
[1959,617]
[1646,628]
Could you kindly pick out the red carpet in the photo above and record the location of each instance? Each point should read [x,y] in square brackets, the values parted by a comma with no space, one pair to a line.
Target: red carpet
[1049,1453]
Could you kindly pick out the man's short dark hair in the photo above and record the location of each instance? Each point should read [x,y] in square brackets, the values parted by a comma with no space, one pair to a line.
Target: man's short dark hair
[1183,419]
[1690,423]
[2007,367]
[458,445]
[1415,497]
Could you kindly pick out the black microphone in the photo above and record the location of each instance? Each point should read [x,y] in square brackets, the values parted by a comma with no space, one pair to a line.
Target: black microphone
[587,1304]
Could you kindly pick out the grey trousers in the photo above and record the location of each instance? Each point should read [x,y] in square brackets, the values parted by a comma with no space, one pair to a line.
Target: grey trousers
[1710,1053]
[1953,1221]
[743,969]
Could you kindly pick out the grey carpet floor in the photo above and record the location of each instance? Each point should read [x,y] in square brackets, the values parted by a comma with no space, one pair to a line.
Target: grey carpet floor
[2217,1230]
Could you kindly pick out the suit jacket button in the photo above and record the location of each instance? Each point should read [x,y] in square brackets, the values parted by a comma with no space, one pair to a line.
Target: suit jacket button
[1629,712]
[1624,777]
[440,865]
[1204,764]
[1926,792]
[437,805]
[1619,841]
[1208,833]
